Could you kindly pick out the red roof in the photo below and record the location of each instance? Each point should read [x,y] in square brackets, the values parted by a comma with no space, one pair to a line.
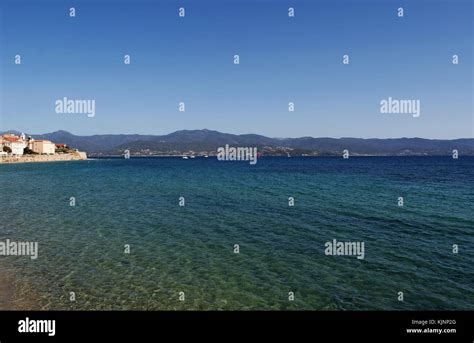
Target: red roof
[11,139]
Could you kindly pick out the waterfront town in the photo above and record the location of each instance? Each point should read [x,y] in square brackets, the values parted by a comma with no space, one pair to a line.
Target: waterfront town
[20,148]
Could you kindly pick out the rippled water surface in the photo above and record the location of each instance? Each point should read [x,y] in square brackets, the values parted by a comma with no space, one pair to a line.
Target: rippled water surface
[190,249]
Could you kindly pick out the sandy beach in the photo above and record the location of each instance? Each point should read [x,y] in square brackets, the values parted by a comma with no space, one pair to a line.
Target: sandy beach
[11,296]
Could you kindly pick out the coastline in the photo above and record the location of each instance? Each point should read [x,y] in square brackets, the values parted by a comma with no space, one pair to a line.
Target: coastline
[76,156]
[105,156]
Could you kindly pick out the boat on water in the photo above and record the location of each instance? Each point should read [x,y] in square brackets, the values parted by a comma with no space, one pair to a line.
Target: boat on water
[185,157]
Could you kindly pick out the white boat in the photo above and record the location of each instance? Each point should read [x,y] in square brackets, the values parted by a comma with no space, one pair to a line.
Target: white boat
[193,156]
[185,157]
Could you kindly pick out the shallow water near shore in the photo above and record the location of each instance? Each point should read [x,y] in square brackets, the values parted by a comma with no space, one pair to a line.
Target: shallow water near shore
[190,249]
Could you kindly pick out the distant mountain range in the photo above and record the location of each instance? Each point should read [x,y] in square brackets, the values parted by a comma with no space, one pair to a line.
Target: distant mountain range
[207,141]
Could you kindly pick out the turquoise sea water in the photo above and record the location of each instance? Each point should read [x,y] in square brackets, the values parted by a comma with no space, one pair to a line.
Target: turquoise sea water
[190,249]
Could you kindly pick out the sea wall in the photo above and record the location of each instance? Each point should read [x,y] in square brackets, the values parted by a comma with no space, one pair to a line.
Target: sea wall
[75,156]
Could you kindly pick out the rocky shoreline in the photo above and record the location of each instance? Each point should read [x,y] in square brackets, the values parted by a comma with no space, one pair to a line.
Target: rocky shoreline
[74,156]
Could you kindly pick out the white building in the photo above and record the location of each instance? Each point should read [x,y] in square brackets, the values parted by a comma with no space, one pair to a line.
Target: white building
[42,147]
[16,144]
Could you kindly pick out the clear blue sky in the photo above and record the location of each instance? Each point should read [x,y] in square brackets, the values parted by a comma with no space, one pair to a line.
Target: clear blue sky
[282,59]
